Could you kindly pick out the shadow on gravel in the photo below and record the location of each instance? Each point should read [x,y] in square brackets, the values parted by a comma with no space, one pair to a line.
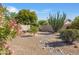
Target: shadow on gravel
[56,44]
[45,33]
[26,36]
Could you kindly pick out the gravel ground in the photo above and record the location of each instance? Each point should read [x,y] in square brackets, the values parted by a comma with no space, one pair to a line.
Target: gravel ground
[42,44]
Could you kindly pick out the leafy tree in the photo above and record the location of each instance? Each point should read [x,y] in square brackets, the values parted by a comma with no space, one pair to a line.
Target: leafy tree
[56,21]
[26,17]
[75,23]
[33,17]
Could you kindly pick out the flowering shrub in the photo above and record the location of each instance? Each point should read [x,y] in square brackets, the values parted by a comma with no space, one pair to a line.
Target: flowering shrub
[8,30]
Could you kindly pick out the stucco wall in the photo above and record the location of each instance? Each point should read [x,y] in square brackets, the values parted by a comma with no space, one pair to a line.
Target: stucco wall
[25,27]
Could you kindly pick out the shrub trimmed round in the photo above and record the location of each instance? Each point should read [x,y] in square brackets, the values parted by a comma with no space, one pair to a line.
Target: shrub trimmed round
[69,35]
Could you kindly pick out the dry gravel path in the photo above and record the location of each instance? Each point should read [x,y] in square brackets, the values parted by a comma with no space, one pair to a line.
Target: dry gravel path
[30,45]
[27,45]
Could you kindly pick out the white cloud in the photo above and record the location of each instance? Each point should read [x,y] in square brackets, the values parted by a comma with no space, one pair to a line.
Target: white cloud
[44,11]
[42,14]
[34,10]
[12,9]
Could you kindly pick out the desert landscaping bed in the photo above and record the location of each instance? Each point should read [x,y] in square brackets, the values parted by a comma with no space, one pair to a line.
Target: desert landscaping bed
[28,45]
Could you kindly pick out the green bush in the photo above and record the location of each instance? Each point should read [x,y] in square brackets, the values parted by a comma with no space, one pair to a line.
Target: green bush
[75,23]
[33,29]
[42,22]
[69,35]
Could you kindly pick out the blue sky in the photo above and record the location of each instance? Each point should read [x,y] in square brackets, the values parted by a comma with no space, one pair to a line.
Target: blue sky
[43,9]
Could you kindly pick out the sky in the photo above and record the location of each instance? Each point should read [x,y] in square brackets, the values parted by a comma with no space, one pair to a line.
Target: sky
[43,9]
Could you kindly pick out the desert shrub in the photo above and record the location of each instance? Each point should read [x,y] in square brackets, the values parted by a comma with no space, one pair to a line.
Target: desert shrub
[42,22]
[33,29]
[75,23]
[69,35]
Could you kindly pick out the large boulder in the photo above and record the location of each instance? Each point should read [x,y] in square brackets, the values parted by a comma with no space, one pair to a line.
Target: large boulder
[46,28]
